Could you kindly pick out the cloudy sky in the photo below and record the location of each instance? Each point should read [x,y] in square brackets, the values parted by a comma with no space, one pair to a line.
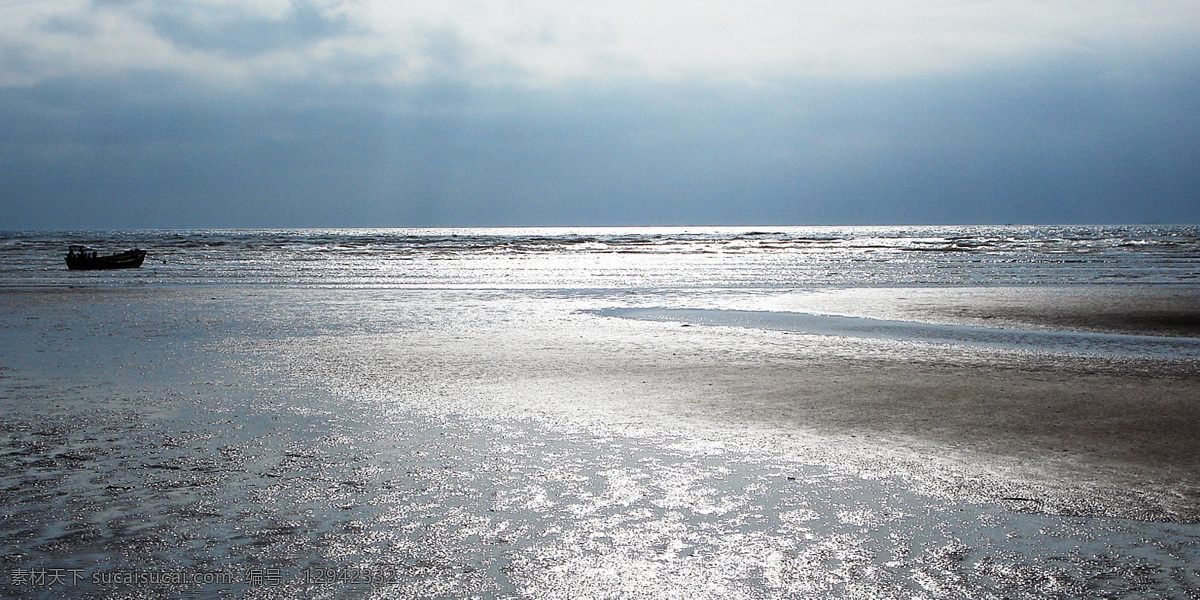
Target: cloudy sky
[259,113]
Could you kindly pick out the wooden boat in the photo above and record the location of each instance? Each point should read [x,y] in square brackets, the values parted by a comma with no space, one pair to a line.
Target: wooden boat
[82,258]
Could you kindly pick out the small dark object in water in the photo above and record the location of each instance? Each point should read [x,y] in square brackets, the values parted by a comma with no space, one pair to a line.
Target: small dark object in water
[80,258]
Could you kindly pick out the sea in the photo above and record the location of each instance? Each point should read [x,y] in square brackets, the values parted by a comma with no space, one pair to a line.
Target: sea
[639,258]
[529,413]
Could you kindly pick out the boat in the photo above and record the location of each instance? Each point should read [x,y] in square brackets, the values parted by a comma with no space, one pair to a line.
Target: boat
[82,258]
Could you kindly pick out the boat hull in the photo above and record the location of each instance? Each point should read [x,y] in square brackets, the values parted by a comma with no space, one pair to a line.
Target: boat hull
[126,260]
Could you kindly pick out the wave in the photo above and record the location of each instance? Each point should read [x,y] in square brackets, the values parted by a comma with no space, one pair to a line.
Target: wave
[656,257]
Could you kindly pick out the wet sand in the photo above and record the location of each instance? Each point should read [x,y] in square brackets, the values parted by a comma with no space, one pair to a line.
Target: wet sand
[1074,434]
[1104,420]
[511,444]
[1131,309]
[1066,424]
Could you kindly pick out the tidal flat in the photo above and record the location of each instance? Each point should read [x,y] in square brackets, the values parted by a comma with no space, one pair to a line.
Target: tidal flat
[275,442]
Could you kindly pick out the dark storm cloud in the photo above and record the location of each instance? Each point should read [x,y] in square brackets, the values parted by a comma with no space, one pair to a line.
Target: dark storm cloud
[196,113]
[1063,143]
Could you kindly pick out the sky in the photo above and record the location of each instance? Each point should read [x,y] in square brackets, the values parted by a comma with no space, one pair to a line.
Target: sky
[370,113]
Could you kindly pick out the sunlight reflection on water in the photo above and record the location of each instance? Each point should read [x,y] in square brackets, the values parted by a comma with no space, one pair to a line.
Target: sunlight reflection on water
[315,431]
[633,258]
[831,325]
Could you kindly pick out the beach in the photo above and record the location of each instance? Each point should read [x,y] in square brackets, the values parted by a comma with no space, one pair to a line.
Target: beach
[1069,424]
[363,442]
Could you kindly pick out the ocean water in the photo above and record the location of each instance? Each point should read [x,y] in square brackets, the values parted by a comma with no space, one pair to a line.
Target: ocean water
[458,414]
[626,258]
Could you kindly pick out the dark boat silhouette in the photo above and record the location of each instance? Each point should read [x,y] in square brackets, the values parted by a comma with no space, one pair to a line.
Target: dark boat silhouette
[82,258]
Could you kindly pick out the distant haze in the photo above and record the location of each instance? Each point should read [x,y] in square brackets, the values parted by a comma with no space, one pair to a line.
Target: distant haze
[264,113]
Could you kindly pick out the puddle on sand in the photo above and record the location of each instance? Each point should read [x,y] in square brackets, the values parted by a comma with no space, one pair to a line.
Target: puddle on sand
[1114,344]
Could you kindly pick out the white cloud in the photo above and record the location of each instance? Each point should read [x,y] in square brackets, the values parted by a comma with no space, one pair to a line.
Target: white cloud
[543,43]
